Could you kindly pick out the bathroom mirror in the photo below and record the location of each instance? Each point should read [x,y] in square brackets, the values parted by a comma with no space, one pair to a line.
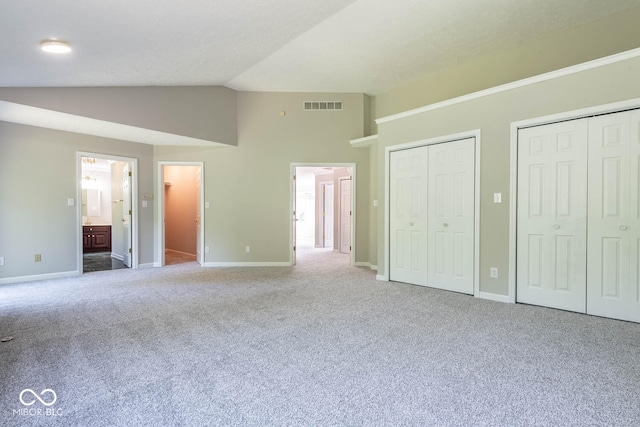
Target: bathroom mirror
[91,202]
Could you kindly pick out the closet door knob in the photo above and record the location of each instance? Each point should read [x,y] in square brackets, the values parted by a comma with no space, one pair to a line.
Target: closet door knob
[410,224]
[556,227]
[623,227]
[445,225]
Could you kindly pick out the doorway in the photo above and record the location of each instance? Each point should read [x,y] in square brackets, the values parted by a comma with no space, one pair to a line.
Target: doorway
[106,219]
[181,234]
[319,196]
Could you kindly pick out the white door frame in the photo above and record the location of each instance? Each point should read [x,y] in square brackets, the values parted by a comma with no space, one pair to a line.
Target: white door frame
[160,237]
[323,187]
[387,208]
[292,168]
[134,203]
[513,184]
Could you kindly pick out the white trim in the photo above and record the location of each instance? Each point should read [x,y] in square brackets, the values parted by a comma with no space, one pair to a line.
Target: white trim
[36,277]
[117,256]
[381,277]
[159,228]
[134,204]
[513,167]
[246,264]
[476,134]
[364,142]
[493,297]
[180,252]
[148,265]
[292,168]
[607,60]
[366,264]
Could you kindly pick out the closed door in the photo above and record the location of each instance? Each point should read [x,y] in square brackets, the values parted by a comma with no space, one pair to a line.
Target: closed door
[408,215]
[345,215]
[551,216]
[614,220]
[451,215]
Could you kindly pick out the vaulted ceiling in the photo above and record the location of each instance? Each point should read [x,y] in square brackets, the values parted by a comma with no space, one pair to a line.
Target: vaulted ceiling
[364,46]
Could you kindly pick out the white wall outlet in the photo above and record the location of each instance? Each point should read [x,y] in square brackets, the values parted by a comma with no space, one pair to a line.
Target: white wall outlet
[1,261]
[247,249]
[37,257]
[206,249]
[493,272]
[497,197]
[375,203]
[206,205]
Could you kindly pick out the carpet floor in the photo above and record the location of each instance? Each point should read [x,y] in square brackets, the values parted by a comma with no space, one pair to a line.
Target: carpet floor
[319,344]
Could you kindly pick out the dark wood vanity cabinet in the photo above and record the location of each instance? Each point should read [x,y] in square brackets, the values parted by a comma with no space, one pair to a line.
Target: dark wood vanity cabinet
[96,238]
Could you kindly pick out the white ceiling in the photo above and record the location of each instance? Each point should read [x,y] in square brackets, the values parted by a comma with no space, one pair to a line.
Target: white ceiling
[368,46]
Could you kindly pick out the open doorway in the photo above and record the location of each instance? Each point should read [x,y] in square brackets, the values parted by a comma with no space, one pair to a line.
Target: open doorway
[106,218]
[181,211]
[319,198]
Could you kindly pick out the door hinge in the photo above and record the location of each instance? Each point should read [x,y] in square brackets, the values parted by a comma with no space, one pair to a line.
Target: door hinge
[294,177]
[130,173]
[294,248]
[349,248]
[130,251]
[129,211]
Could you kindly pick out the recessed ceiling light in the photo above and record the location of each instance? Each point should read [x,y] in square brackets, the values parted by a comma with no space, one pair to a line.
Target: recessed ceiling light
[55,46]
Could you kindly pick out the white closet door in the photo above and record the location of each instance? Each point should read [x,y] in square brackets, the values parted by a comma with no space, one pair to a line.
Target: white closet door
[408,216]
[634,223]
[451,215]
[613,218]
[551,217]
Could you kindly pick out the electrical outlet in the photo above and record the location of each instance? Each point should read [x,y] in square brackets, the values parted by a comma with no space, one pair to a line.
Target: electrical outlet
[206,249]
[1,261]
[247,249]
[38,257]
[493,272]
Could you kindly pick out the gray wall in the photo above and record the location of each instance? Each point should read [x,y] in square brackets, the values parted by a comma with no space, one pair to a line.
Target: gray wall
[248,186]
[38,169]
[207,113]
[493,115]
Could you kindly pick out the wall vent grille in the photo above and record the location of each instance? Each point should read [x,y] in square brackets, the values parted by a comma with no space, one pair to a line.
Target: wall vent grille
[322,106]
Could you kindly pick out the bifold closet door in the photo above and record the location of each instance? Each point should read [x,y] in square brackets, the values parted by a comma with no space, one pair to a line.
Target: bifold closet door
[408,216]
[614,216]
[551,215]
[451,215]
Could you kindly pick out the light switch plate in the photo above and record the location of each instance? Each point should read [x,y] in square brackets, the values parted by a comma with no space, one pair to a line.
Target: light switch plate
[206,205]
[1,260]
[493,272]
[497,197]
[375,203]
[144,203]
[71,202]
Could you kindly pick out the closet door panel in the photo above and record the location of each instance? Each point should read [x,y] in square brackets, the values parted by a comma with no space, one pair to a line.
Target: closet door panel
[551,215]
[610,215]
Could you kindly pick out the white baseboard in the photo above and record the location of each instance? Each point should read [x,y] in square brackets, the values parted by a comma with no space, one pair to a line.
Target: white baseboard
[492,297]
[148,265]
[247,264]
[179,252]
[35,277]
[381,277]
[117,256]
[366,264]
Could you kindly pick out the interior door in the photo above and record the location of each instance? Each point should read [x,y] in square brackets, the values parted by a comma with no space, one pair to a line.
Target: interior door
[328,215]
[408,216]
[294,218]
[450,214]
[612,288]
[126,214]
[345,215]
[551,215]
[198,219]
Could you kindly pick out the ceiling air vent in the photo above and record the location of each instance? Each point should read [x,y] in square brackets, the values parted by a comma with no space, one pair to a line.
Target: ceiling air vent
[322,105]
